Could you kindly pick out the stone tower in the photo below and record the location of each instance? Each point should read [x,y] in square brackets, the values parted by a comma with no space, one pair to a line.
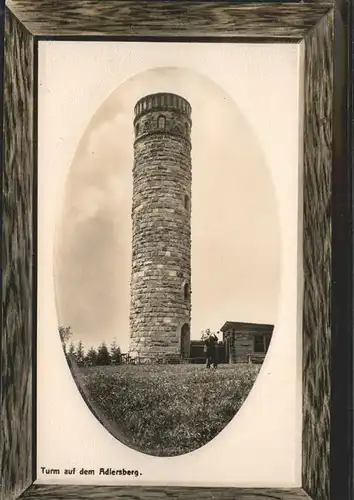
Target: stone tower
[160,311]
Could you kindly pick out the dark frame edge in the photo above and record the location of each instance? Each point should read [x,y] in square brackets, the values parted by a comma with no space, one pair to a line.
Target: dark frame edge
[341,436]
[34,256]
[351,166]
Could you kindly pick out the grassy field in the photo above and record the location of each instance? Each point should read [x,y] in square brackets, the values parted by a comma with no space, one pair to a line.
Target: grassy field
[167,410]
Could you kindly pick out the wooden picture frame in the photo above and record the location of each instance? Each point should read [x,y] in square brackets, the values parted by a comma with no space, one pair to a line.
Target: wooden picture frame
[324,26]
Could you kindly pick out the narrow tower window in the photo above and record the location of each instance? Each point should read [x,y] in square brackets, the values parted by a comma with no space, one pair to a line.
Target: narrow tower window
[186,291]
[186,202]
[161,122]
[137,127]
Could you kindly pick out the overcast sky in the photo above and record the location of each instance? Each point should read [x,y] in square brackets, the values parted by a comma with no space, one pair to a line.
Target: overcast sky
[235,227]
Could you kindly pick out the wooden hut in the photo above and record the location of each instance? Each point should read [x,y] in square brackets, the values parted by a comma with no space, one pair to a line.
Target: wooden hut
[246,342]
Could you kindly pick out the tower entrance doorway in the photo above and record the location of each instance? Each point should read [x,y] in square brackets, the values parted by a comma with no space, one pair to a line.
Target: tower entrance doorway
[185,340]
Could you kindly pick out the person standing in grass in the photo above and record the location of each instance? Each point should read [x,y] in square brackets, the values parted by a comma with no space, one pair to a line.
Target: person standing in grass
[211,344]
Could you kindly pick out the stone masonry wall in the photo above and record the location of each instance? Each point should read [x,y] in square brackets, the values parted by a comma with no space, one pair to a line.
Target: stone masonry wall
[161,216]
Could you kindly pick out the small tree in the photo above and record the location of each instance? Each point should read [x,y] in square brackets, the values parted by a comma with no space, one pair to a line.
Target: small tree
[70,354]
[103,357]
[71,351]
[65,335]
[115,353]
[80,353]
[91,357]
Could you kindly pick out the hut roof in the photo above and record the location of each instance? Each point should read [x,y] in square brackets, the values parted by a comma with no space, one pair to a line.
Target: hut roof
[241,327]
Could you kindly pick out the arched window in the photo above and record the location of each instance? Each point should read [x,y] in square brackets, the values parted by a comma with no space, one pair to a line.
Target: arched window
[186,202]
[161,122]
[186,291]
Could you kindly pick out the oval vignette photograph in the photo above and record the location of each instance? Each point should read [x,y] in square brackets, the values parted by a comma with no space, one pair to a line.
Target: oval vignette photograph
[167,262]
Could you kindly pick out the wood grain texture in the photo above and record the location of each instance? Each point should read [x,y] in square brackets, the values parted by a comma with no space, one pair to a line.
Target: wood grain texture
[150,493]
[317,259]
[177,18]
[16,254]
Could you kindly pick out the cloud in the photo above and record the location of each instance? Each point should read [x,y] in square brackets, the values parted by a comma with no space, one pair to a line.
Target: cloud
[89,202]
[109,137]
